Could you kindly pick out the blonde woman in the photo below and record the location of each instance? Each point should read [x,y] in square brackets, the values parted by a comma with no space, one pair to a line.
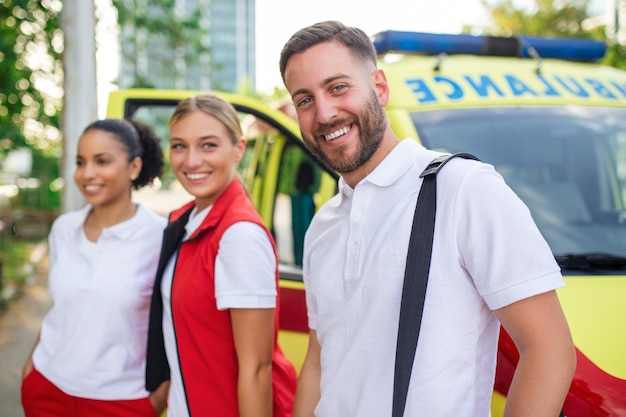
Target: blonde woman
[214,318]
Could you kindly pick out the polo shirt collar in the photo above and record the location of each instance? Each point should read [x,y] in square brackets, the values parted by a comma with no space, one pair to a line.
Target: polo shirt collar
[121,230]
[196,218]
[399,160]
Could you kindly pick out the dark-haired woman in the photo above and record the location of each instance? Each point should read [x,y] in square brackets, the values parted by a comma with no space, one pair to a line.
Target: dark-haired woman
[89,358]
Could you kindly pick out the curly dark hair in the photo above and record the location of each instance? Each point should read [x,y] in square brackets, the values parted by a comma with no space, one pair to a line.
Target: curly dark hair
[140,141]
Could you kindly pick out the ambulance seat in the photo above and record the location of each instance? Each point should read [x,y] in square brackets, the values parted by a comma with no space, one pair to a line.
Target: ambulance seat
[303,207]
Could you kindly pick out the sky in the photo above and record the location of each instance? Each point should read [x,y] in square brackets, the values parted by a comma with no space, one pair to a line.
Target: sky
[277,20]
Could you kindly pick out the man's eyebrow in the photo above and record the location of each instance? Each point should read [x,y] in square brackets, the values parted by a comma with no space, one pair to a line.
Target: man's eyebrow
[334,78]
[299,91]
[324,82]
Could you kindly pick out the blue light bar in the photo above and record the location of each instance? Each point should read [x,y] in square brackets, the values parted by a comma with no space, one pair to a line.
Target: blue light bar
[433,44]
[568,49]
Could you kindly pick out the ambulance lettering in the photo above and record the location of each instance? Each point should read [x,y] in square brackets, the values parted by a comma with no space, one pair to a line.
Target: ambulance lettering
[445,88]
[549,91]
[518,87]
[572,86]
[455,90]
[621,87]
[600,88]
[483,85]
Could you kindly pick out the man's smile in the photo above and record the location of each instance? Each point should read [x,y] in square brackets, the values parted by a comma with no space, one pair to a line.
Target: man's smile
[337,133]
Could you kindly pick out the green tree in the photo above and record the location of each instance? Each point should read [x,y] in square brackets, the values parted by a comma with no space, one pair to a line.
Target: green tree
[552,18]
[158,38]
[31,80]
[615,56]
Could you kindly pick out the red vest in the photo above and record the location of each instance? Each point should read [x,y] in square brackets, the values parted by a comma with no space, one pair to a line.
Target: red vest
[204,337]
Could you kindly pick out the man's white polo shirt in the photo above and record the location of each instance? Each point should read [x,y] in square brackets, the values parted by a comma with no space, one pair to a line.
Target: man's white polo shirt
[487,254]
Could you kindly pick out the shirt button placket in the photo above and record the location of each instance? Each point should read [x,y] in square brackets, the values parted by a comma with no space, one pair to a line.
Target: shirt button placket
[353,249]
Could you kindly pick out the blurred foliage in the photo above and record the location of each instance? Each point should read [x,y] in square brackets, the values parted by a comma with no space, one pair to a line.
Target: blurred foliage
[13,272]
[274,98]
[549,18]
[17,267]
[552,18]
[31,82]
[615,56]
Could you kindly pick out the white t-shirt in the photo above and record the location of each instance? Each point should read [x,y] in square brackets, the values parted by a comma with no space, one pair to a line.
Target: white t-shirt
[487,254]
[237,285]
[93,339]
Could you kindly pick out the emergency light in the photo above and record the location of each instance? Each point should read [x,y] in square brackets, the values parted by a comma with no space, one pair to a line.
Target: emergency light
[433,44]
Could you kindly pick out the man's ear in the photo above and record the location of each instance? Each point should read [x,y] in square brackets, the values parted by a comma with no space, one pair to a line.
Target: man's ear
[382,86]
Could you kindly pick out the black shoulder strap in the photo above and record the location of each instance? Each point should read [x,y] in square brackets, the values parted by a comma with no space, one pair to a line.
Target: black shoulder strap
[416,279]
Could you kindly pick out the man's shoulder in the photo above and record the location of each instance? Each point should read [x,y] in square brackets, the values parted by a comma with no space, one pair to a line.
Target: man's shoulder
[420,156]
[331,205]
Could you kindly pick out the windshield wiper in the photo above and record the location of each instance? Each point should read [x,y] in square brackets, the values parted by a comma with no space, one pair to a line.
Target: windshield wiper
[591,261]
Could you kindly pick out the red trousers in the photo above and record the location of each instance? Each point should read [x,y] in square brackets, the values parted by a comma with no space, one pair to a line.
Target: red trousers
[41,398]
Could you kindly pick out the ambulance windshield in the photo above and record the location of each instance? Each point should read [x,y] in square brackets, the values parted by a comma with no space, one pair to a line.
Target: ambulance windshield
[568,164]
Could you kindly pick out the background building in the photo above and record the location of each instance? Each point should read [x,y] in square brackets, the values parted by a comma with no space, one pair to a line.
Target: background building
[200,44]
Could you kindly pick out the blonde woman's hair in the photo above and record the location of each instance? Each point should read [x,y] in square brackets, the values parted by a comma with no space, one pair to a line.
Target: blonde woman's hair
[213,106]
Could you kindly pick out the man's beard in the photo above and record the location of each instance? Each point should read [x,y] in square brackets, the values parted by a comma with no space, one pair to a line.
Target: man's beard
[372,127]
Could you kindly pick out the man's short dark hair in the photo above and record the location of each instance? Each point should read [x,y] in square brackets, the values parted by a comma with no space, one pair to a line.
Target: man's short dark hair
[355,39]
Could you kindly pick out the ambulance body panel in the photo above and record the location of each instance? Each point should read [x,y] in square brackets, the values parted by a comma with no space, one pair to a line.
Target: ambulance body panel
[469,81]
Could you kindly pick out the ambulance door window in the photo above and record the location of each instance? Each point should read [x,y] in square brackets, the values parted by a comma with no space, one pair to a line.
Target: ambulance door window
[298,195]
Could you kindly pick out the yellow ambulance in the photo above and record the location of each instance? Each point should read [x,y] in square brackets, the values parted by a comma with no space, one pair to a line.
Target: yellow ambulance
[544,112]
